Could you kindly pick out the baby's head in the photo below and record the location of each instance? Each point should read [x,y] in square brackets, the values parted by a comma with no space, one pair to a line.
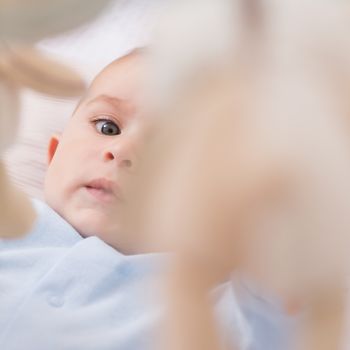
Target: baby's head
[96,149]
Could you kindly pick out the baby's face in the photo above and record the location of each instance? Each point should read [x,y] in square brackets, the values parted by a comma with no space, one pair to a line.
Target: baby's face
[97,148]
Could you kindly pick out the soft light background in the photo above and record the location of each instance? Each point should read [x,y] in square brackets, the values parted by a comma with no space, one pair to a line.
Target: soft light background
[124,25]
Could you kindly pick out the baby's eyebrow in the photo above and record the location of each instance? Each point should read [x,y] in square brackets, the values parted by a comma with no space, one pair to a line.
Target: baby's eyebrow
[122,106]
[114,101]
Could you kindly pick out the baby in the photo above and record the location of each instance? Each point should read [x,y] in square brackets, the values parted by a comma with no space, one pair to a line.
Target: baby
[97,148]
[75,281]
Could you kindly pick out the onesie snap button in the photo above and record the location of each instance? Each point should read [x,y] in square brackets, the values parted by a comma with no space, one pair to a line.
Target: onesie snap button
[55,301]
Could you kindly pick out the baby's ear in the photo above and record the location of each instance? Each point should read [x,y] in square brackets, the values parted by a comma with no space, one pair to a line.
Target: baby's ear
[53,143]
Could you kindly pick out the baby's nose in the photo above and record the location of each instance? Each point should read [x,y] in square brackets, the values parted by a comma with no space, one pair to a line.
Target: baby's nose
[121,153]
[127,163]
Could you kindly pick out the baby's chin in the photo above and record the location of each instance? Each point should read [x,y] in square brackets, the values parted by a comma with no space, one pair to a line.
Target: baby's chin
[91,222]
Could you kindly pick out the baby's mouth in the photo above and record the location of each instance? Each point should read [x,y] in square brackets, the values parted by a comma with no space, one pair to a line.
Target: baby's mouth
[103,190]
[100,194]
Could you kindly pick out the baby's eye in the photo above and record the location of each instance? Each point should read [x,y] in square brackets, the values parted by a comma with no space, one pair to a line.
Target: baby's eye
[107,127]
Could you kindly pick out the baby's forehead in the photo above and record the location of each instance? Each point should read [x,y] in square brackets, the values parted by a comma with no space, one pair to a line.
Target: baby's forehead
[117,84]
[119,77]
[119,68]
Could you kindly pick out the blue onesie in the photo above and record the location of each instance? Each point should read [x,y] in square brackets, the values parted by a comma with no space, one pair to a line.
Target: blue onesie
[59,291]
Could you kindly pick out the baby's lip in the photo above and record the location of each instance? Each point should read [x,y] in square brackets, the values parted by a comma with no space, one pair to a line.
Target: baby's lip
[103,188]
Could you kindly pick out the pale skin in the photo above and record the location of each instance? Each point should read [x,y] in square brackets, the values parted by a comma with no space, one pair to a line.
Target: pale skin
[83,185]
[96,149]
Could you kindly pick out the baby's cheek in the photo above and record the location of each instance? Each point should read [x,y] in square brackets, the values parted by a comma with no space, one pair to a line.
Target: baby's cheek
[85,158]
[54,200]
